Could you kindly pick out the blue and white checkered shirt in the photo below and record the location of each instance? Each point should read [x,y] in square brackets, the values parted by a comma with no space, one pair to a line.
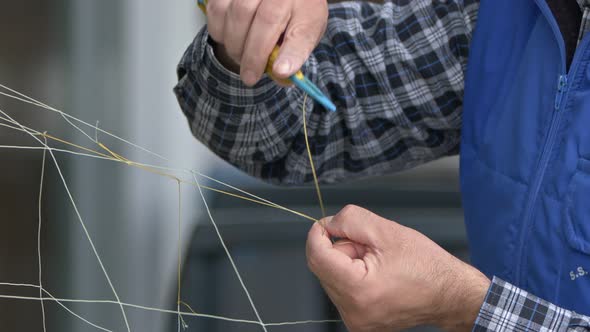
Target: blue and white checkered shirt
[396,72]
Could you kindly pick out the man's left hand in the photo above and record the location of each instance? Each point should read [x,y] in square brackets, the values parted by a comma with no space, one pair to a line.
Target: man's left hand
[383,276]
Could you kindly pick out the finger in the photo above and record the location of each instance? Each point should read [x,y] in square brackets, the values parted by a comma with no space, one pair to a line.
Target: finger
[237,23]
[216,10]
[303,33]
[330,265]
[269,23]
[360,226]
[351,249]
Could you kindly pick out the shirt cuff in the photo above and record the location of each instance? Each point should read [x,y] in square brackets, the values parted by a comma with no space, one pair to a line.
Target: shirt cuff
[509,308]
[200,66]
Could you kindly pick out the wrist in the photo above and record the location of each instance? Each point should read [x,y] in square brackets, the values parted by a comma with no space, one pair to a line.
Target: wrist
[463,297]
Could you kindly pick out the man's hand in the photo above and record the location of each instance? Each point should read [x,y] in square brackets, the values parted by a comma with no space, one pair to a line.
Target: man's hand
[246,31]
[383,276]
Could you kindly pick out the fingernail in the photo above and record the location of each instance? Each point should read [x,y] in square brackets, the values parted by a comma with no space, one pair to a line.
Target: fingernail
[249,77]
[283,67]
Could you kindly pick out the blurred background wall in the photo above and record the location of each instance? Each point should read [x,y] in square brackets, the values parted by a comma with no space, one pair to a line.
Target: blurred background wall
[33,58]
[124,55]
[113,62]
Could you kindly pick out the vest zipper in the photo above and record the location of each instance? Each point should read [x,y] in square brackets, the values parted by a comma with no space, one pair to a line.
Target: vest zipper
[562,87]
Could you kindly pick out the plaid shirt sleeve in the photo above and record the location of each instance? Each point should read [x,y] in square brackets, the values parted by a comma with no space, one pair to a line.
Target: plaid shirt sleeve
[395,70]
[508,308]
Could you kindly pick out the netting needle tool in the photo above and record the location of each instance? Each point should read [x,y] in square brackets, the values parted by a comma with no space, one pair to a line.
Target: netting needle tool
[298,79]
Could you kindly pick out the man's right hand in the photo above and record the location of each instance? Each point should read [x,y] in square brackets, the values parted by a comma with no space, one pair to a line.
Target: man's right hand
[383,276]
[246,32]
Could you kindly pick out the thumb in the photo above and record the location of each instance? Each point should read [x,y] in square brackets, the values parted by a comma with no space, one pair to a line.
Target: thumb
[300,39]
[333,266]
[358,225]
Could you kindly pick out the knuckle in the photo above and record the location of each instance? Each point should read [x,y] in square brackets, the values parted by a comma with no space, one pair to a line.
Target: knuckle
[399,232]
[270,14]
[313,23]
[308,31]
[244,9]
[304,40]
[349,211]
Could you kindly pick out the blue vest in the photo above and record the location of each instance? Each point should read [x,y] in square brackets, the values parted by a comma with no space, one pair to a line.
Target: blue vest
[525,153]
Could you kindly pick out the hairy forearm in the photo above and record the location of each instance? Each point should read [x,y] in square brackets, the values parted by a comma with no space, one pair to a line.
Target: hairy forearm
[464,296]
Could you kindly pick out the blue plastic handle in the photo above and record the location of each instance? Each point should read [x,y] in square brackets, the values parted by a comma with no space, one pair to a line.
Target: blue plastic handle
[313,91]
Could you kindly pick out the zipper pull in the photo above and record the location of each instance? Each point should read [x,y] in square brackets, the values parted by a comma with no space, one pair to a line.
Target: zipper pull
[561,87]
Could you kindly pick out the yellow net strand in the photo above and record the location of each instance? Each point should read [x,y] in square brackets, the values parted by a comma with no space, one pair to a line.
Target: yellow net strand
[116,157]
[74,145]
[313,172]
